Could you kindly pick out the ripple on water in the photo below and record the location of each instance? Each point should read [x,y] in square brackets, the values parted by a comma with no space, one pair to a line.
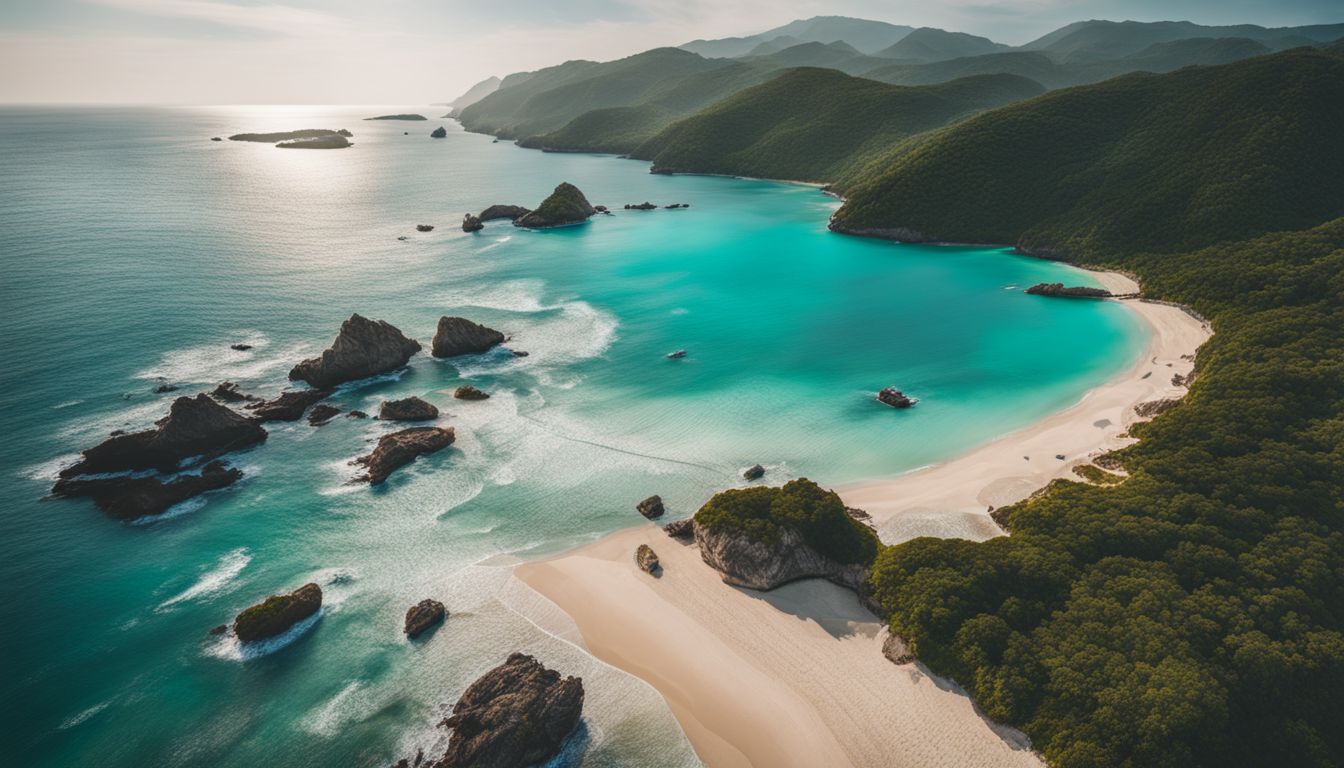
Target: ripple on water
[213,581]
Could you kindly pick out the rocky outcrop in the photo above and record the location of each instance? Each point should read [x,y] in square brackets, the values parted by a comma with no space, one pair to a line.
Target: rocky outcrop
[860,516]
[1156,407]
[896,651]
[677,206]
[408,409]
[277,613]
[753,473]
[510,212]
[516,715]
[423,615]
[652,507]
[322,414]
[471,223]
[401,448]
[194,426]
[289,406]
[897,234]
[680,529]
[765,564]
[356,415]
[228,392]
[566,206]
[895,398]
[240,347]
[404,116]
[1072,292]
[363,348]
[127,498]
[644,206]
[460,336]
[439,133]
[647,560]
[424,227]
[676,355]
[468,392]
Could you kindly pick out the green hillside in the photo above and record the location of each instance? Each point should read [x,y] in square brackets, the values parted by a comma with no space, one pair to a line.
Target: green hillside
[929,44]
[1093,40]
[811,124]
[1035,66]
[838,55]
[864,34]
[1192,615]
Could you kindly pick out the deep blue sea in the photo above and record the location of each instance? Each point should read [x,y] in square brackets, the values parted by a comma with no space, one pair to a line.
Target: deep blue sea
[134,248]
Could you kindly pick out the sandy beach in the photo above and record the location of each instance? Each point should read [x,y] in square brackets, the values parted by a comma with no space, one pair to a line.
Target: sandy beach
[795,676]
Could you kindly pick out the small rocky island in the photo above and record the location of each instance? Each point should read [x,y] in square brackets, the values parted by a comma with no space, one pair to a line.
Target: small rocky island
[763,537]
[516,715]
[278,136]
[439,133]
[324,142]
[363,348]
[289,406]
[422,616]
[510,212]
[1071,292]
[895,398]
[408,409]
[277,613]
[398,117]
[401,448]
[565,207]
[652,507]
[460,336]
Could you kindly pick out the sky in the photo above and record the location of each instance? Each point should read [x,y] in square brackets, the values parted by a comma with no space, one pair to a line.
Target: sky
[426,51]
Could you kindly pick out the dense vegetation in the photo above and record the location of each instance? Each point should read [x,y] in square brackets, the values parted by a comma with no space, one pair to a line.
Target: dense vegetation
[811,124]
[929,44]
[1192,615]
[819,515]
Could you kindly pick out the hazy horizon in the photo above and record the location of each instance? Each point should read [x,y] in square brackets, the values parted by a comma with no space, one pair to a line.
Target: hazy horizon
[199,52]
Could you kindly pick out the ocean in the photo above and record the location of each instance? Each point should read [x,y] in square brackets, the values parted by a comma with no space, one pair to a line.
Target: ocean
[135,250]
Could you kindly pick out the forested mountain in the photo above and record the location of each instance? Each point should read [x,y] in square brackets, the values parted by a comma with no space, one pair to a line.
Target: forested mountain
[838,55]
[1193,614]
[813,124]
[865,35]
[474,94]
[929,44]
[1091,40]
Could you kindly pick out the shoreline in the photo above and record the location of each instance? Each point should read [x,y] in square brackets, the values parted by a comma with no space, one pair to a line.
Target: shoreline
[796,676]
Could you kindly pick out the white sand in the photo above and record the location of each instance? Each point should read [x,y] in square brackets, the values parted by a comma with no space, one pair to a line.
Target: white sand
[796,677]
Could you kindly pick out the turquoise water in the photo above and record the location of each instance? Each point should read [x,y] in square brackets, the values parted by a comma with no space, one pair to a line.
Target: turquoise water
[134,248]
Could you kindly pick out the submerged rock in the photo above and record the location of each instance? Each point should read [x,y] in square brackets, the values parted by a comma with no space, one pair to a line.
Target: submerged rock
[240,347]
[322,414]
[677,355]
[651,507]
[753,473]
[517,714]
[356,415]
[510,212]
[194,426]
[228,392]
[439,133]
[408,409]
[647,559]
[680,529]
[1071,292]
[423,615]
[289,406]
[468,392]
[277,613]
[460,336]
[127,498]
[401,448]
[566,206]
[894,397]
[424,227]
[471,223]
[363,348]
[164,386]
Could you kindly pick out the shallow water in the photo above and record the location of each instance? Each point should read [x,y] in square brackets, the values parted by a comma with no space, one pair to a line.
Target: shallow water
[134,249]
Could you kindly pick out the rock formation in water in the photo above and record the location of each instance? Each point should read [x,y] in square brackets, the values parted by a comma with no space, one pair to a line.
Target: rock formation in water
[510,212]
[566,206]
[647,560]
[516,715]
[401,448]
[424,227]
[644,206]
[277,613]
[289,406]
[324,142]
[460,336]
[127,498]
[240,347]
[1072,292]
[322,414]
[468,392]
[194,426]
[651,507]
[680,529]
[894,397]
[422,616]
[398,117]
[363,348]
[408,409]
[439,133]
[228,392]
[471,223]
[753,473]
[309,133]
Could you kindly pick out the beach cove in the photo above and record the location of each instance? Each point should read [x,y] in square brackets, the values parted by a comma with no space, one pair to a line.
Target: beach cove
[789,330]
